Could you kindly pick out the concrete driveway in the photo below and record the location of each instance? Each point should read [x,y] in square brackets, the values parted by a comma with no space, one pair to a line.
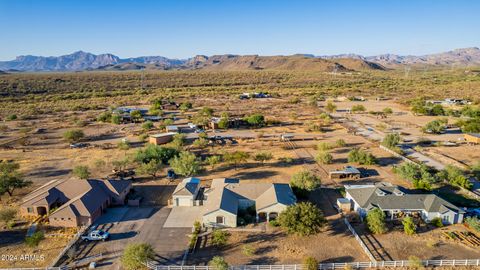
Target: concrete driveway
[184,216]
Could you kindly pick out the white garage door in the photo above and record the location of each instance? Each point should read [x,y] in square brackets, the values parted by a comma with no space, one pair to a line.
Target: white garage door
[184,202]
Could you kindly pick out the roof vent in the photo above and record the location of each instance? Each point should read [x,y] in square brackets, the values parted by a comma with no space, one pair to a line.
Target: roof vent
[398,192]
[380,192]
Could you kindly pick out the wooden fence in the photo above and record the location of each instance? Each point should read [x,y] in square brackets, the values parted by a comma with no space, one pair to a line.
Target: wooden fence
[324,266]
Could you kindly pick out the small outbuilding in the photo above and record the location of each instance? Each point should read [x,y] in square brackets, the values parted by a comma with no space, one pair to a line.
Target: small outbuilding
[472,138]
[186,192]
[173,129]
[344,205]
[349,172]
[161,138]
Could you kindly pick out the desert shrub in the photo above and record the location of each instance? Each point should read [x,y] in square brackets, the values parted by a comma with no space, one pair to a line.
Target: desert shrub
[304,182]
[7,215]
[34,239]
[387,110]
[361,157]
[419,175]
[213,161]
[330,107]
[256,120]
[340,143]
[104,117]
[324,146]
[391,140]
[310,263]
[11,117]
[415,262]
[248,250]
[409,226]
[116,119]
[437,222]
[159,153]
[263,156]
[435,127]
[219,237]
[236,157]
[358,108]
[376,221]
[73,135]
[136,254]
[81,172]
[303,218]
[147,125]
[473,222]
[218,263]
[324,157]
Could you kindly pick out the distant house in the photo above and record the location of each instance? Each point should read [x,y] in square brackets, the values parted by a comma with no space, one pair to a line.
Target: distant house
[349,172]
[74,202]
[472,138]
[171,129]
[232,122]
[396,202]
[161,138]
[227,196]
[186,192]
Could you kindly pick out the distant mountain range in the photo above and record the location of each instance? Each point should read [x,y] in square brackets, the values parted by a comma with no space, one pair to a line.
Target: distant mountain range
[79,61]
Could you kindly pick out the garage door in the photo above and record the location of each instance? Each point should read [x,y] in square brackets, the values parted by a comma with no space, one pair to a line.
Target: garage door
[184,202]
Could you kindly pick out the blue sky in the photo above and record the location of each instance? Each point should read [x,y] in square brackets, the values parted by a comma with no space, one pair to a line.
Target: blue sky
[181,29]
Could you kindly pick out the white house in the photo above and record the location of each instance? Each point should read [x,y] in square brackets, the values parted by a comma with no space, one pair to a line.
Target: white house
[394,200]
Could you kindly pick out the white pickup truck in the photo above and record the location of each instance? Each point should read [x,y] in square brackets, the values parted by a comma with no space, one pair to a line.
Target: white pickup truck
[96,235]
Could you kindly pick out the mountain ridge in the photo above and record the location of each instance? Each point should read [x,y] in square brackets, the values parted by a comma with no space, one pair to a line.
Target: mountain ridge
[81,60]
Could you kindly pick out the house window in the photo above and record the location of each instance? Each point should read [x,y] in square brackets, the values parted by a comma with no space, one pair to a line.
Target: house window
[30,209]
[220,220]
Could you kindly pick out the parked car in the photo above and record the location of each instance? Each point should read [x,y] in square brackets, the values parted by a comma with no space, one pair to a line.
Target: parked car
[171,174]
[78,145]
[96,235]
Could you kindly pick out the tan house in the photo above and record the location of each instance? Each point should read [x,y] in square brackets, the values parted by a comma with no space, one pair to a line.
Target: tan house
[472,138]
[74,202]
[227,196]
[186,192]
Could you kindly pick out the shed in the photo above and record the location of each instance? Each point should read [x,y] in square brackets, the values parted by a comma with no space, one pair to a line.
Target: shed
[161,138]
[472,138]
[349,172]
[344,205]
[171,129]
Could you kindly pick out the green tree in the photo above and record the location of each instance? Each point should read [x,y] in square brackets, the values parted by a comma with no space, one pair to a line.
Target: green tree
[303,218]
[236,157]
[135,255]
[104,117]
[455,177]
[256,120]
[224,121]
[420,176]
[213,160]
[263,156]
[324,157]
[376,221]
[123,145]
[81,172]
[10,178]
[304,182]
[219,237]
[435,127]
[218,263]
[330,107]
[147,125]
[248,250]
[206,111]
[409,226]
[185,106]
[73,135]
[387,110]
[159,153]
[151,168]
[391,140]
[178,141]
[185,164]
[200,143]
[361,157]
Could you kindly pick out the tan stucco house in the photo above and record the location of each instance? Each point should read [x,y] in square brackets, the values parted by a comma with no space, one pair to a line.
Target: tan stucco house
[74,202]
[185,194]
[226,197]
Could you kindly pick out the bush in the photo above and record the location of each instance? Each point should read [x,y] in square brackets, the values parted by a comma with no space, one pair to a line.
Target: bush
[473,222]
[391,140]
[340,143]
[213,160]
[303,182]
[7,215]
[116,119]
[435,127]
[324,146]
[409,226]
[218,263]
[376,221]
[310,263]
[73,135]
[219,237]
[159,153]
[455,177]
[81,172]
[256,120]
[12,117]
[147,125]
[387,110]
[324,157]
[361,157]
[263,156]
[330,107]
[415,262]
[358,108]
[34,239]
[420,176]
[274,223]
[135,255]
[104,117]
[248,250]
[303,218]
[437,222]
